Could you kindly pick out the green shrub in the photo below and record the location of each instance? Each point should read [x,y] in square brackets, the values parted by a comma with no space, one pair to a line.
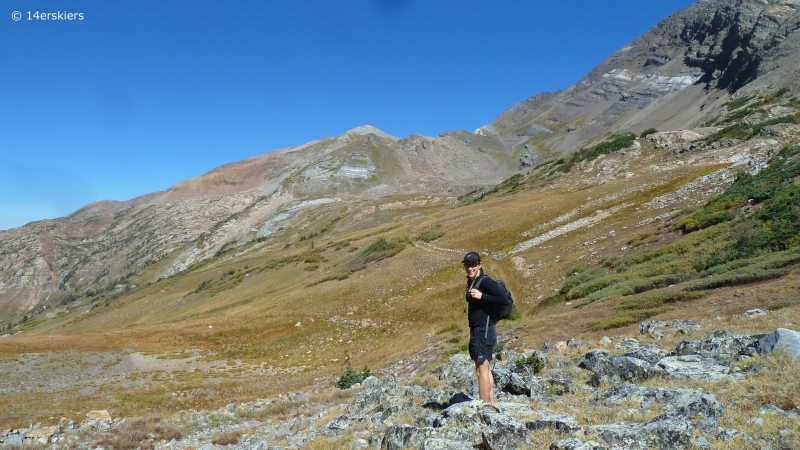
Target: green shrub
[449,328]
[648,132]
[515,313]
[550,301]
[626,318]
[429,235]
[382,248]
[349,376]
[535,362]
[654,300]
[727,242]
[745,132]
[615,143]
[737,277]
[738,103]
[780,305]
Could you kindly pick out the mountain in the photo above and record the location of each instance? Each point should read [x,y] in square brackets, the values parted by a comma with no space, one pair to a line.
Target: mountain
[102,244]
[663,186]
[676,75]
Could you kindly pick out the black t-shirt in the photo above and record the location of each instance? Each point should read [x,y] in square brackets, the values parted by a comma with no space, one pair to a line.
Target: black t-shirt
[478,312]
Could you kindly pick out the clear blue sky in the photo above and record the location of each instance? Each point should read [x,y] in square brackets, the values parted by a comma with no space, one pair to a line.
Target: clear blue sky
[140,95]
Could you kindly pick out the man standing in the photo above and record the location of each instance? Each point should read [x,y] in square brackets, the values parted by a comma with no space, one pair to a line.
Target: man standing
[482,291]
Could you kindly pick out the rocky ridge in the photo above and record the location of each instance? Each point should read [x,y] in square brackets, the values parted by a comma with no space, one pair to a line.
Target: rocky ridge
[532,410]
[675,76]
[231,205]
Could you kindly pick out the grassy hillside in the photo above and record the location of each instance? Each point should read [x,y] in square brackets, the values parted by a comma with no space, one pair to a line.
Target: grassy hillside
[588,246]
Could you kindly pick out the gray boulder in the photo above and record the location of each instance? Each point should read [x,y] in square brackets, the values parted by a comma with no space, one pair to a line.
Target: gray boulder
[374,397]
[561,385]
[566,444]
[653,327]
[518,379]
[695,367]
[559,422]
[445,444]
[780,338]
[723,346]
[502,432]
[640,350]
[777,411]
[680,402]
[463,412]
[658,434]
[593,358]
[616,369]
[458,371]
[398,437]
[13,440]
[732,435]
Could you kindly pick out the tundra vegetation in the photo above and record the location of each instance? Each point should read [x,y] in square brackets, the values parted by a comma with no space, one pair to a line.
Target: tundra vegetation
[382,284]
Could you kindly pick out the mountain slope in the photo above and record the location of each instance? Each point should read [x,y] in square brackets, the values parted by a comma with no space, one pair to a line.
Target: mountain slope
[674,76]
[101,245]
[352,250]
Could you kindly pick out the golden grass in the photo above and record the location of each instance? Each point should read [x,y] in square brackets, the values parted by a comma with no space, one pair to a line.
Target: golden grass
[381,314]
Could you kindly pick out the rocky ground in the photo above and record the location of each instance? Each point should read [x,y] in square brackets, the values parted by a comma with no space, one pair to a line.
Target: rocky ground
[619,393]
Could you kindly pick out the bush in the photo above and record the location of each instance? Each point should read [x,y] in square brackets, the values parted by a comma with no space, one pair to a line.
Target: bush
[349,376]
[745,132]
[227,438]
[738,103]
[615,143]
[648,132]
[382,248]
[429,235]
[535,362]
[626,318]
[515,313]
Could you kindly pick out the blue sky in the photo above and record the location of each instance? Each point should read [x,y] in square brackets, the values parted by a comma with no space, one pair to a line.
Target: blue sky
[140,95]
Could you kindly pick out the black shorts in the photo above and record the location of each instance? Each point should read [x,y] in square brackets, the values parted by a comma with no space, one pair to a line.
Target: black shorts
[482,342]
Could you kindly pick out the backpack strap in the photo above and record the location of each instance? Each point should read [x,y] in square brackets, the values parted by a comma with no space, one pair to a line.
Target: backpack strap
[478,281]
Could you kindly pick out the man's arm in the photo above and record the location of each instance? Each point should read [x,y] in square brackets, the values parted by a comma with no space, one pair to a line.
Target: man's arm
[491,293]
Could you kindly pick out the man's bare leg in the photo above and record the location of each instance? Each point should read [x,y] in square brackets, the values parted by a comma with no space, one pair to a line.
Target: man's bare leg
[485,381]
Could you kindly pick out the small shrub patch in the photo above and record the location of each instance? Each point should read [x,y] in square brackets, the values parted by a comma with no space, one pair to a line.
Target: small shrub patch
[536,362]
[615,143]
[429,235]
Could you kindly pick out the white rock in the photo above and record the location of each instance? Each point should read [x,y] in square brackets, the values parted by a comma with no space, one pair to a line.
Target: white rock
[781,338]
[753,313]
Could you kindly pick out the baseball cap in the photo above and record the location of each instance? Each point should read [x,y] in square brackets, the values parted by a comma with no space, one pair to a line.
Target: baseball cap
[472,257]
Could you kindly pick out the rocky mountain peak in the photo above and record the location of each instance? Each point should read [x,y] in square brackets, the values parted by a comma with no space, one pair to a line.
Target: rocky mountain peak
[672,77]
[368,129]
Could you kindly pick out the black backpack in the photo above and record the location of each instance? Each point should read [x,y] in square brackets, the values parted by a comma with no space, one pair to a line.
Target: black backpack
[498,312]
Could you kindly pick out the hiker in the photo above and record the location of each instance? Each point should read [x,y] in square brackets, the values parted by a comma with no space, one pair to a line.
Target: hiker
[481,292]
